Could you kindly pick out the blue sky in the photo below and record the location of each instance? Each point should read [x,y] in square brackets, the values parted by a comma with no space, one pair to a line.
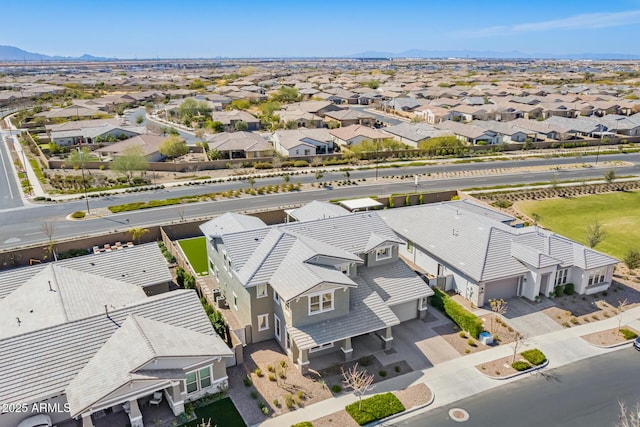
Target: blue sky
[194,28]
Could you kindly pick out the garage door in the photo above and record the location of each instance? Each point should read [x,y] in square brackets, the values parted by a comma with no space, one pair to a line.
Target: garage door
[406,310]
[506,288]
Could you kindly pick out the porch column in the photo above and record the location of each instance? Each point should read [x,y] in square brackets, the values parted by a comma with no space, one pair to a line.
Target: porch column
[135,416]
[86,420]
[347,350]
[303,361]
[174,393]
[387,339]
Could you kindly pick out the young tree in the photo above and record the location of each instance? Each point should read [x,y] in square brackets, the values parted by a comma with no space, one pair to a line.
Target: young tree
[357,380]
[595,233]
[286,94]
[498,306]
[49,229]
[629,417]
[137,232]
[610,176]
[319,175]
[139,119]
[516,344]
[632,259]
[536,218]
[620,309]
[241,126]
[251,181]
[131,160]
[173,147]
[77,159]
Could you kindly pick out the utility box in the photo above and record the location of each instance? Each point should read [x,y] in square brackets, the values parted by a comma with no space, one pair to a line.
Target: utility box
[486,338]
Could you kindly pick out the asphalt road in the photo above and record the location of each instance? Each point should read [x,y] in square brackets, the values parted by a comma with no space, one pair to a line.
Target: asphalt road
[387,119]
[23,226]
[9,190]
[583,394]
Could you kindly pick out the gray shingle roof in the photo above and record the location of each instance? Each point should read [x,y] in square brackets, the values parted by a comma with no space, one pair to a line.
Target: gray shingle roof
[395,283]
[142,340]
[141,265]
[40,364]
[230,223]
[367,313]
[317,210]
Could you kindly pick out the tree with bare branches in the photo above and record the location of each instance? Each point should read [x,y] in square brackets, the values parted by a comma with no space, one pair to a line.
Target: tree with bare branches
[357,380]
[498,306]
[620,309]
[629,417]
[49,229]
[516,344]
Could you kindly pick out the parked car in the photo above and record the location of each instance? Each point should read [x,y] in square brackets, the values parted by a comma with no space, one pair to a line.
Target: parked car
[636,343]
[40,420]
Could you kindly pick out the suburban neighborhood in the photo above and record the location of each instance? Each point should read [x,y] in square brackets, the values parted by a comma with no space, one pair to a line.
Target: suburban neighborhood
[276,238]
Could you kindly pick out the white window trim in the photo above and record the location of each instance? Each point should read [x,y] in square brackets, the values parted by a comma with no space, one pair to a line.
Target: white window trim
[321,347]
[259,295]
[235,300]
[423,304]
[321,309]
[382,258]
[199,379]
[266,318]
[562,276]
[277,325]
[600,274]
[288,339]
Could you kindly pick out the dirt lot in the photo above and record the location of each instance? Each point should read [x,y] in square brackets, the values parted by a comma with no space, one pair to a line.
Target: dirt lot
[608,337]
[500,368]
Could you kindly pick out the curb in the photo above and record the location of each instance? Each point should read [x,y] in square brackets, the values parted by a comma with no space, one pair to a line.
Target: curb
[622,344]
[403,413]
[532,369]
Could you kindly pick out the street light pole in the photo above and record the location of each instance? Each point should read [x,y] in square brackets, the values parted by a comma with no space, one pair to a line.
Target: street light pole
[84,183]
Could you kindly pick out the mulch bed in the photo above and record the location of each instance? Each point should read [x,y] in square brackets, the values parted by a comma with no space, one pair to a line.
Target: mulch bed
[607,338]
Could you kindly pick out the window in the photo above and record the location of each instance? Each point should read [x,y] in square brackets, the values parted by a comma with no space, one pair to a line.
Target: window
[263,322]
[205,377]
[198,380]
[383,253]
[596,277]
[561,276]
[288,343]
[422,305]
[276,326]
[320,303]
[321,347]
[191,382]
[409,246]
[276,297]
[261,291]
[235,301]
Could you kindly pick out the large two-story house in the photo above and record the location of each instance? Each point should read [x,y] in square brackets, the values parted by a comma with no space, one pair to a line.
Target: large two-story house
[316,284]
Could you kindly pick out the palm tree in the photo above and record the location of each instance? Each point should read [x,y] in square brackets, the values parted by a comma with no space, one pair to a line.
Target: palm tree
[137,233]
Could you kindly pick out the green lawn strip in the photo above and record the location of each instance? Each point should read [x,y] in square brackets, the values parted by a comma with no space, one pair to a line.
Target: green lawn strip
[617,212]
[375,408]
[221,413]
[196,252]
[157,203]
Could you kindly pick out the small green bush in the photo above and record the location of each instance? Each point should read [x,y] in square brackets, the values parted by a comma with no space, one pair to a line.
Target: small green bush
[300,164]
[262,165]
[336,388]
[569,289]
[303,424]
[375,408]
[628,334]
[519,365]
[247,381]
[382,373]
[258,372]
[254,394]
[534,356]
[462,334]
[272,377]
[78,215]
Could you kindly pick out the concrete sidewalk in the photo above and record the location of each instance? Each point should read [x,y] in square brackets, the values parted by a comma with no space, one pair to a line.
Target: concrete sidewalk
[458,379]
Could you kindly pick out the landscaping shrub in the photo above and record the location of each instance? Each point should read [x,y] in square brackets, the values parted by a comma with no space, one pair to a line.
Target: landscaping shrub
[463,318]
[559,290]
[303,424]
[336,388]
[382,373]
[375,408]
[247,381]
[300,164]
[78,215]
[534,356]
[258,372]
[180,275]
[262,165]
[189,281]
[520,365]
[569,289]
[628,334]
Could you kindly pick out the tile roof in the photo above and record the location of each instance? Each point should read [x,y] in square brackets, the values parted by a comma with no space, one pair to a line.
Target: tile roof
[317,210]
[141,265]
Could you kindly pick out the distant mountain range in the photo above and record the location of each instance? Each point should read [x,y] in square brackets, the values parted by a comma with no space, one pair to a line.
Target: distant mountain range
[11,53]
[417,53]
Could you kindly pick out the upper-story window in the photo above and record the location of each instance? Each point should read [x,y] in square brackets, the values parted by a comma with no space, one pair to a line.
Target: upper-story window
[319,303]
[409,246]
[561,276]
[383,253]
[261,291]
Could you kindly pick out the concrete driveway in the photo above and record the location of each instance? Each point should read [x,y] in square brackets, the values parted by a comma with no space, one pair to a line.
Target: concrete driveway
[528,317]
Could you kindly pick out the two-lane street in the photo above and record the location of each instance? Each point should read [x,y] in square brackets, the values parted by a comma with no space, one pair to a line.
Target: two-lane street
[9,188]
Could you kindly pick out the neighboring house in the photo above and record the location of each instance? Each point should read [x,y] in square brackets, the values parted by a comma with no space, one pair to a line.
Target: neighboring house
[302,142]
[629,126]
[355,134]
[302,119]
[580,127]
[85,345]
[402,104]
[104,133]
[469,133]
[508,131]
[414,133]
[467,113]
[542,130]
[230,118]
[315,210]
[319,108]
[148,144]
[433,114]
[351,117]
[477,255]
[314,285]
[240,145]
